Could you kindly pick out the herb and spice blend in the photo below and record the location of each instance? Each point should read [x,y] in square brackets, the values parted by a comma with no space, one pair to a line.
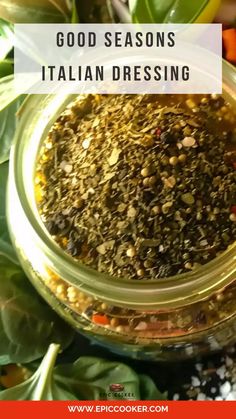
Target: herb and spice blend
[140,186]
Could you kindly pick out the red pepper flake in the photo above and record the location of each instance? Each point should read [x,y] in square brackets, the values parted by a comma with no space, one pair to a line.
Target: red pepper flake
[158,132]
[100,319]
[233,209]
[234,165]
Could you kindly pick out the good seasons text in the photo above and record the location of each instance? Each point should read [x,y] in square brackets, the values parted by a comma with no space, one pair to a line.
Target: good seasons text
[116,39]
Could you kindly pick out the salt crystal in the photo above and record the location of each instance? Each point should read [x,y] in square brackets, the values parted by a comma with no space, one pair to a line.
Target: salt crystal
[141,326]
[189,350]
[86,143]
[225,389]
[201,396]
[198,367]
[231,396]
[195,382]
[221,372]
[66,166]
[228,361]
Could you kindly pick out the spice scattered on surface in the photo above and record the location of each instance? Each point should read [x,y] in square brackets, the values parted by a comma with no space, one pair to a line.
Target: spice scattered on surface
[213,379]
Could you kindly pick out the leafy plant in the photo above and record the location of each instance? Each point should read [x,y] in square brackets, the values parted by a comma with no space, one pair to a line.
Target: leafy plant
[166,11]
[27,324]
[7,91]
[31,11]
[6,43]
[5,243]
[88,378]
[8,122]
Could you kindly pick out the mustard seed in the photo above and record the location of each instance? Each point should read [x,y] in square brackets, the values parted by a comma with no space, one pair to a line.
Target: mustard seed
[173,161]
[182,158]
[232,217]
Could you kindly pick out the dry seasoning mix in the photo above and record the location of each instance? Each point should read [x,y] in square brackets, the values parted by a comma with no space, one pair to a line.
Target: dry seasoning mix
[138,186]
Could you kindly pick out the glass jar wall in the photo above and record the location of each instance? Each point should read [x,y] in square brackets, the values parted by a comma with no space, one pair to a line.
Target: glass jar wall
[160,320]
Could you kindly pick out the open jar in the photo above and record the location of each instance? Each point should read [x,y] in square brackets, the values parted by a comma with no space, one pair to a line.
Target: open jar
[167,319]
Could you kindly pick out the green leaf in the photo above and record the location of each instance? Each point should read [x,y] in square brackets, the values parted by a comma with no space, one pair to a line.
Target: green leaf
[38,386]
[6,68]
[5,242]
[27,324]
[166,11]
[148,389]
[8,122]
[8,93]
[31,11]
[75,15]
[88,378]
[6,40]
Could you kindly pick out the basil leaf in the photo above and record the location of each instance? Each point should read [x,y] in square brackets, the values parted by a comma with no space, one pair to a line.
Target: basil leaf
[8,122]
[27,324]
[148,389]
[88,378]
[5,242]
[6,40]
[31,11]
[38,386]
[166,11]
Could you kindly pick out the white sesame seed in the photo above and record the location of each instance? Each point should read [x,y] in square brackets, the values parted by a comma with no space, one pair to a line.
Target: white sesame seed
[176,397]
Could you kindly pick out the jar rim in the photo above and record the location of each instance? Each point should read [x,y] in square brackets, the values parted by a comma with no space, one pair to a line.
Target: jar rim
[173,291]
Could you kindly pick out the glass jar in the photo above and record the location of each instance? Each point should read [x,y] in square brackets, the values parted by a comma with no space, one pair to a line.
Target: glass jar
[169,319]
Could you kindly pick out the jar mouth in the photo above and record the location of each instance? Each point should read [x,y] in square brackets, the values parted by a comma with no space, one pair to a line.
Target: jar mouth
[40,113]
